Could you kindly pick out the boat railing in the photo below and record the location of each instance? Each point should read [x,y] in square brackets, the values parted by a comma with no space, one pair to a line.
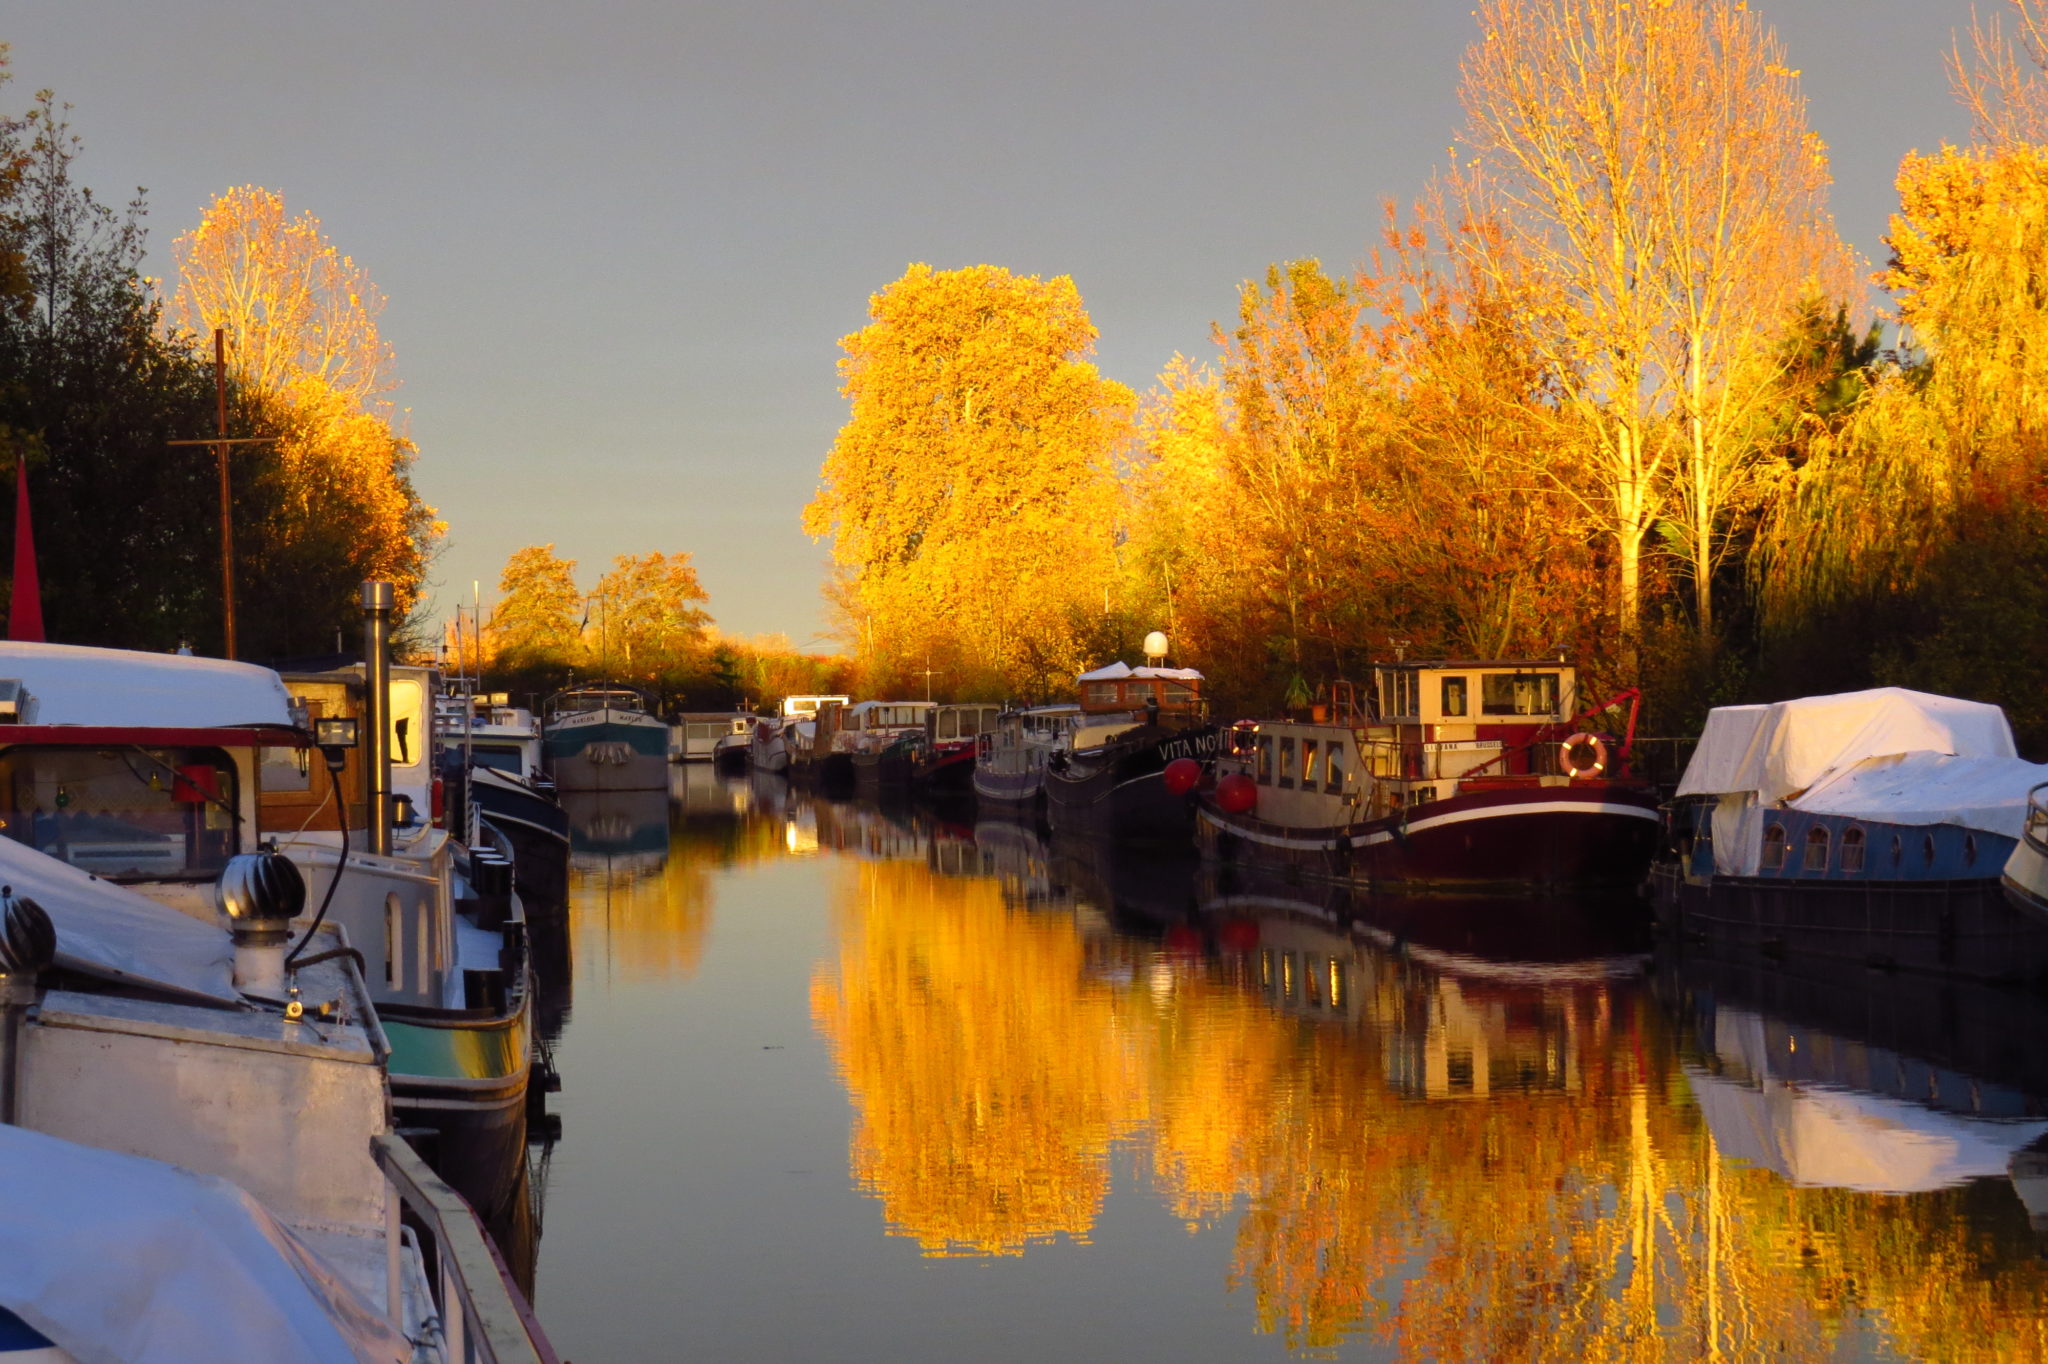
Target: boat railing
[483,1317]
[2037,817]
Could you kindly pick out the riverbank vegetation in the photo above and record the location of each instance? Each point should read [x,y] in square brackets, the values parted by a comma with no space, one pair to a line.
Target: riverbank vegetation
[100,372]
[1610,387]
[644,625]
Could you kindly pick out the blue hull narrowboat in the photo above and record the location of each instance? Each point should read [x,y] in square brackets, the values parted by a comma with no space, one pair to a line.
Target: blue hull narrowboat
[1870,828]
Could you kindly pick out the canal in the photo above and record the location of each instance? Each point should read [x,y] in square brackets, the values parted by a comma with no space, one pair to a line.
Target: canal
[851,1083]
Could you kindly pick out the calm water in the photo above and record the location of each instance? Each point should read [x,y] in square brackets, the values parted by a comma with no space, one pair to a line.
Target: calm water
[847,1084]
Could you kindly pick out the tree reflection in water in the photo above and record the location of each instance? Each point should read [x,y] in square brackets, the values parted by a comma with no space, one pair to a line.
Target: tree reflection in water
[1465,1160]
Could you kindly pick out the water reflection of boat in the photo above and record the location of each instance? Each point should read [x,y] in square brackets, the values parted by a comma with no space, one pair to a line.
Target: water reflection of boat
[1479,934]
[1847,1079]
[624,832]
[1810,1108]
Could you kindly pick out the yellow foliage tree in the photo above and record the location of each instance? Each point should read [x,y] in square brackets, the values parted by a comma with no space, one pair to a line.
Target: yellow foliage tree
[1653,170]
[650,622]
[970,497]
[306,356]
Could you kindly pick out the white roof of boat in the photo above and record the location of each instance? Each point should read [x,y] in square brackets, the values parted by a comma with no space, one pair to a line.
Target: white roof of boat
[1778,750]
[1931,788]
[1118,671]
[74,684]
[204,1271]
[116,934]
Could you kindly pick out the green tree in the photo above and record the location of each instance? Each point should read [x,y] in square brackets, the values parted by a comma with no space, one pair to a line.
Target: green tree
[90,395]
[971,498]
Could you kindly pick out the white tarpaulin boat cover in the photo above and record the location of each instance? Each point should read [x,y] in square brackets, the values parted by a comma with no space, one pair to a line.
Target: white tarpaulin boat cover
[1931,788]
[1902,757]
[1776,751]
[1118,671]
[122,1260]
[116,934]
[71,684]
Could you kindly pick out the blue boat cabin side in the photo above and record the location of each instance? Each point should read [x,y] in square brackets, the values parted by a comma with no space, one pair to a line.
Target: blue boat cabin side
[1799,845]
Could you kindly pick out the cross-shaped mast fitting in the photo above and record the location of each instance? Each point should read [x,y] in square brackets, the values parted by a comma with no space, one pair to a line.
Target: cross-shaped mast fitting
[220,444]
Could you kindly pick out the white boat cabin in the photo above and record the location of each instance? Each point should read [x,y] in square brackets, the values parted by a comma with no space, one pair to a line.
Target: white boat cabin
[695,737]
[1020,740]
[1419,732]
[807,707]
[869,726]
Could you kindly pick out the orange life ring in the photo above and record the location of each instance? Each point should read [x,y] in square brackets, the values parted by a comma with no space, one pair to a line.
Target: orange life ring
[1578,741]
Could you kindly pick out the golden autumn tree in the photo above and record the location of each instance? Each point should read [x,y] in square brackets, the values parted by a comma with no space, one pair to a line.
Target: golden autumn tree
[310,369]
[650,622]
[1659,188]
[539,612]
[970,497]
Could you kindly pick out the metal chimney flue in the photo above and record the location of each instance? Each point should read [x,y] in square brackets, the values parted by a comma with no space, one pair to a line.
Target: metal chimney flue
[377,603]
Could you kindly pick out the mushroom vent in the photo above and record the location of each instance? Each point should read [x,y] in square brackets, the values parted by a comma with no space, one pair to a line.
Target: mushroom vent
[28,940]
[261,892]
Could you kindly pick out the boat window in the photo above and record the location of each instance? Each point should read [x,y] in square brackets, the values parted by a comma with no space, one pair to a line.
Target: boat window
[1927,850]
[1286,762]
[1454,696]
[1265,760]
[1816,849]
[1774,848]
[1969,850]
[1898,850]
[503,759]
[1852,850]
[1333,767]
[123,813]
[1518,694]
[1308,764]
[1179,694]
[1101,694]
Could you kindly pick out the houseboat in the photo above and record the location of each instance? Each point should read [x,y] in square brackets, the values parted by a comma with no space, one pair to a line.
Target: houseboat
[945,763]
[875,741]
[779,743]
[135,788]
[492,770]
[1009,767]
[1478,776]
[604,739]
[1109,779]
[694,736]
[1870,827]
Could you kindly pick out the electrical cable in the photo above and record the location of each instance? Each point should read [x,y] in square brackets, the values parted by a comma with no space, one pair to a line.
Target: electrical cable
[340,864]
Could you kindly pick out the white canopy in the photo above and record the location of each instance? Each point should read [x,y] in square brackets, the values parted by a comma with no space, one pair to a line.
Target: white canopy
[121,1260]
[1931,788]
[118,935]
[1776,751]
[71,684]
[1118,671]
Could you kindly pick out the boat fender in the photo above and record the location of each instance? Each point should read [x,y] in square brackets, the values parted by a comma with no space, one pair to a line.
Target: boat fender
[1583,746]
[438,803]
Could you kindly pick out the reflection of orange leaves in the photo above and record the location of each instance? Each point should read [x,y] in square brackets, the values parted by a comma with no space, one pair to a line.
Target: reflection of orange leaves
[989,1080]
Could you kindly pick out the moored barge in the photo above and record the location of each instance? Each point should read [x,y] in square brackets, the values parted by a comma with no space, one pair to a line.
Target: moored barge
[1479,776]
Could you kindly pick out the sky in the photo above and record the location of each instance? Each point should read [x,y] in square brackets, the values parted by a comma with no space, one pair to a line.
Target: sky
[620,241]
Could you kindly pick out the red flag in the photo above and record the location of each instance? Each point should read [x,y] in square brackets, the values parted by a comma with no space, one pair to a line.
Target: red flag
[25,611]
